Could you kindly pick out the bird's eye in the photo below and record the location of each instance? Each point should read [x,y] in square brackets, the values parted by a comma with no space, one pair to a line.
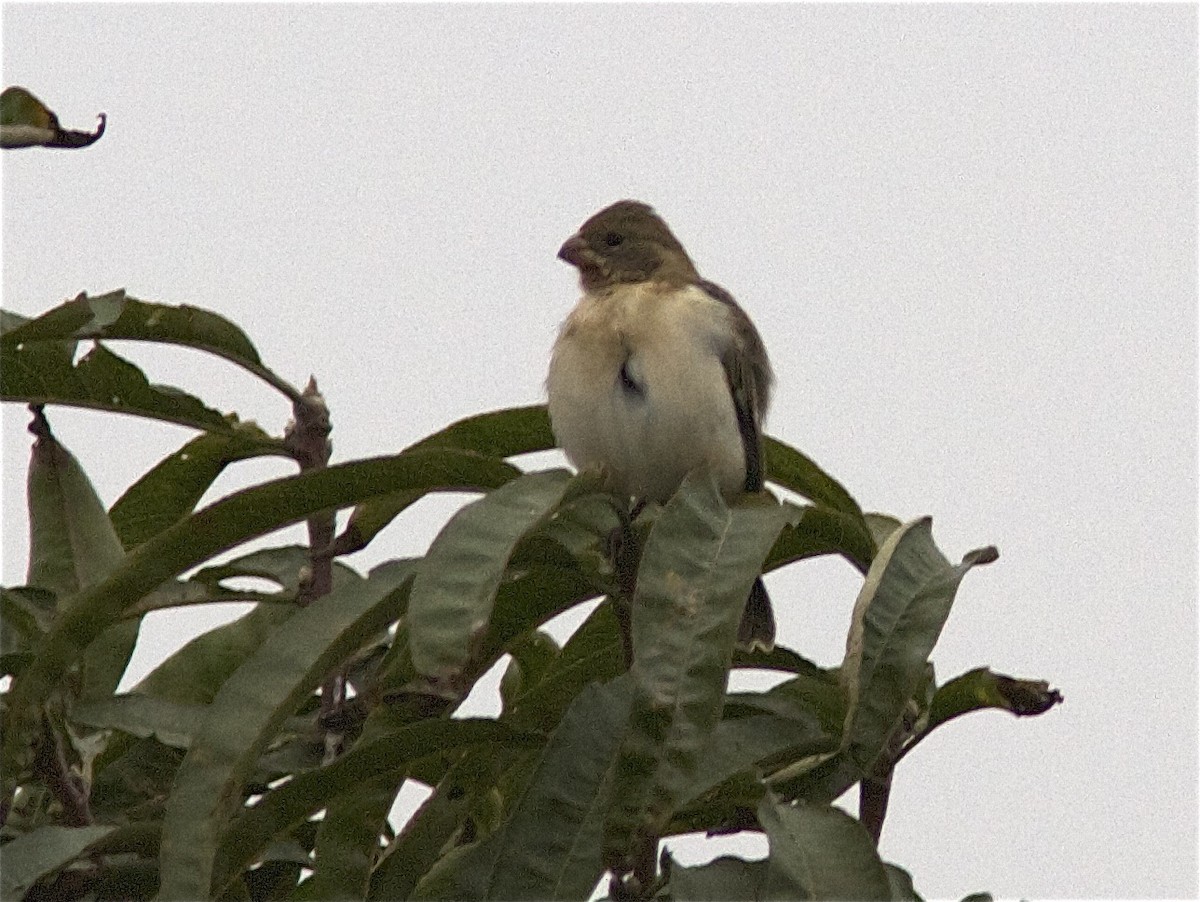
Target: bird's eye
[613,239]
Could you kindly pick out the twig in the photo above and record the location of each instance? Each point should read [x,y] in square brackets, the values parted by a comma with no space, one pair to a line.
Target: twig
[51,767]
[307,438]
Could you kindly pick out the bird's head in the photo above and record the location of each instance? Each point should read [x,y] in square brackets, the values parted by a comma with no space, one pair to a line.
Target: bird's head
[626,242]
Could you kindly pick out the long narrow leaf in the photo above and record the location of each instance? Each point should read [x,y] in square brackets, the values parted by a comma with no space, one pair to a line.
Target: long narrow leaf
[820,852]
[550,847]
[982,689]
[897,619]
[794,470]
[248,710]
[171,490]
[73,546]
[116,315]
[42,851]
[500,433]
[697,568]
[225,524]
[101,380]
[288,805]
[455,591]
[815,530]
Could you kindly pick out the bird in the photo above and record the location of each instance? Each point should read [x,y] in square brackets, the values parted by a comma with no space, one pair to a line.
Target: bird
[657,372]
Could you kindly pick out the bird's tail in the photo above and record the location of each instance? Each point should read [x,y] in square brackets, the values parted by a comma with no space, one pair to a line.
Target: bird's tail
[757,629]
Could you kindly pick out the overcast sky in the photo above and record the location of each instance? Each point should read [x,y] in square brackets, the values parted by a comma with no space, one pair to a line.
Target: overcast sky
[966,233]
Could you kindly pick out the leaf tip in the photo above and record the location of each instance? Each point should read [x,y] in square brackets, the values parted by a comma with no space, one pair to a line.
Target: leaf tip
[986,555]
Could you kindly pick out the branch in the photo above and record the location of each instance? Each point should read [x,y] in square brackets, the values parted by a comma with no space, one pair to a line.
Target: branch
[307,438]
[51,768]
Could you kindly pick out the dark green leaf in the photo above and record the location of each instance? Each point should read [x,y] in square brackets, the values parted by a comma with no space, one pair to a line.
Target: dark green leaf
[793,470]
[897,619]
[171,723]
[724,879]
[42,851]
[248,710]
[814,530]
[813,692]
[116,315]
[979,689]
[424,838]
[72,543]
[901,883]
[456,587]
[739,750]
[820,852]
[304,795]
[238,518]
[27,122]
[193,674]
[696,570]
[73,546]
[550,847]
[26,614]
[101,381]
[532,657]
[133,779]
[501,433]
[171,490]
[498,433]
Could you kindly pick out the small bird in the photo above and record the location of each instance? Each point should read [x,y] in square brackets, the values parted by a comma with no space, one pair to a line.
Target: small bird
[658,372]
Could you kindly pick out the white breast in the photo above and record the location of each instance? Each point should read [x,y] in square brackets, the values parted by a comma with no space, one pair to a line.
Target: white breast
[673,341]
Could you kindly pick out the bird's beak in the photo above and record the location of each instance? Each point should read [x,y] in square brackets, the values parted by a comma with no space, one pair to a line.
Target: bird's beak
[575,251]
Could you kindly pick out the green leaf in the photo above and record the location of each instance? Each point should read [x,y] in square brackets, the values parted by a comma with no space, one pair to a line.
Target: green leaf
[27,122]
[500,433]
[194,673]
[533,655]
[26,615]
[881,526]
[724,879]
[100,381]
[424,838]
[739,750]
[348,838]
[814,530]
[813,692]
[290,804]
[550,847]
[42,851]
[897,619]
[980,689]
[116,315]
[793,470]
[456,588]
[698,565]
[132,780]
[238,518]
[170,723]
[171,490]
[72,543]
[901,883]
[820,852]
[249,709]
[73,546]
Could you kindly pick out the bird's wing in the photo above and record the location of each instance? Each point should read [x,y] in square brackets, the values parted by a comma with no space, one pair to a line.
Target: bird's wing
[749,376]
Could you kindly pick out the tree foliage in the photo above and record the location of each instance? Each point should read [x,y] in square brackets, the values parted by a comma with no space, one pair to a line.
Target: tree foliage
[261,760]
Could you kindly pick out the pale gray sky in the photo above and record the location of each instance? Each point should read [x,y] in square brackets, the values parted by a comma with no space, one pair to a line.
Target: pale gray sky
[966,233]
